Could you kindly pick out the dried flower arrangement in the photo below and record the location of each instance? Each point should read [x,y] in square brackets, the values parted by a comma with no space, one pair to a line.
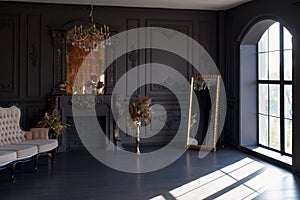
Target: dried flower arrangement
[139,111]
[53,121]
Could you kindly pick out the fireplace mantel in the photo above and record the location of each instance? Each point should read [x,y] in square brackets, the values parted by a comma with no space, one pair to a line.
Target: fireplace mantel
[81,102]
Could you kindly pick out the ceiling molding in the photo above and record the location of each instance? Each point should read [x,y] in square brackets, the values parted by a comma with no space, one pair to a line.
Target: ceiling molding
[173,4]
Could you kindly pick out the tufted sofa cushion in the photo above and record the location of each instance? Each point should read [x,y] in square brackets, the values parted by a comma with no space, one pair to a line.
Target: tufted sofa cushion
[10,131]
[23,151]
[42,144]
[7,157]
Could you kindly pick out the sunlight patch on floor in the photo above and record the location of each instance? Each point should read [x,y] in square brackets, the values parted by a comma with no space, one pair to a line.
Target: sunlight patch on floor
[160,197]
[246,170]
[236,165]
[207,189]
[234,181]
[189,187]
[237,193]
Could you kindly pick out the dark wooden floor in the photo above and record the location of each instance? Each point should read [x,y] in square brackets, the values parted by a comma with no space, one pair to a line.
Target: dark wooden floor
[225,174]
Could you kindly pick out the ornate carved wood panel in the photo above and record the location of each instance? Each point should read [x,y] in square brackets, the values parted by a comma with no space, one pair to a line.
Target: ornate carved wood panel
[58,38]
[133,57]
[33,56]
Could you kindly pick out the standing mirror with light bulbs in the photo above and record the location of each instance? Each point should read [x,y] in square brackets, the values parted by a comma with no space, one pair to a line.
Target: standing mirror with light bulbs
[203,125]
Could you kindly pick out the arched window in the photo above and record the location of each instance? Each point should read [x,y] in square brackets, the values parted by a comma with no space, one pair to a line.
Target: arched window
[274,89]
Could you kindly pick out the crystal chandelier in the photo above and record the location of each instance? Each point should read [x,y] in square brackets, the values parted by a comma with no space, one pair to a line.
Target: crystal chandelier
[91,38]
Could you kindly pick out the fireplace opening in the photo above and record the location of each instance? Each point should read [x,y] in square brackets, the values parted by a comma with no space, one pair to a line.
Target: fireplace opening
[73,140]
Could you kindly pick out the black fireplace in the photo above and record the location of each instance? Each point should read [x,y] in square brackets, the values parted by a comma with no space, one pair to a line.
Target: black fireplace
[70,138]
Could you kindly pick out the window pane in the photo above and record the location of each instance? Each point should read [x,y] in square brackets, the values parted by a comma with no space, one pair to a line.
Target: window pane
[287,39]
[274,107]
[288,135]
[274,41]
[263,130]
[263,66]
[263,99]
[288,99]
[274,65]
[288,65]
[274,133]
[263,44]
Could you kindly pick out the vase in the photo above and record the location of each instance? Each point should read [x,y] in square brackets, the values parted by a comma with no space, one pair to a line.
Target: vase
[52,134]
[138,138]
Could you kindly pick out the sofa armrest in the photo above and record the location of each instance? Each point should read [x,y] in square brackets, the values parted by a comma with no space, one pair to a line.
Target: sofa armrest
[37,133]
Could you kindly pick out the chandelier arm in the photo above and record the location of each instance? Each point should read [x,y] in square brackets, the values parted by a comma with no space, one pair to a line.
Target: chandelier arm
[83,35]
[99,37]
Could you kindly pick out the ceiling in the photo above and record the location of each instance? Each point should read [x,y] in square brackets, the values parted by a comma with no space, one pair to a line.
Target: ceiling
[176,4]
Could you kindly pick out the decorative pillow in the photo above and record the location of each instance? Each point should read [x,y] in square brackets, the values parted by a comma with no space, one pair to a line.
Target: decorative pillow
[39,133]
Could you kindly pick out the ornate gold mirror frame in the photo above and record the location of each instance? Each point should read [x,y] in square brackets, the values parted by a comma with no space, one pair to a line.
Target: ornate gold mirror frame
[92,79]
[202,127]
[64,70]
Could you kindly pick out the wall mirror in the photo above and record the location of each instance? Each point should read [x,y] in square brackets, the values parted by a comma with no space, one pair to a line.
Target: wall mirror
[93,76]
[203,126]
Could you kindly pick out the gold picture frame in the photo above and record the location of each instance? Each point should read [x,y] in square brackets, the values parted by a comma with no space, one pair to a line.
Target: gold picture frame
[203,87]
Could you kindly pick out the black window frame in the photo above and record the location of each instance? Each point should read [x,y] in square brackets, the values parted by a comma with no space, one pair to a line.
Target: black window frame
[281,82]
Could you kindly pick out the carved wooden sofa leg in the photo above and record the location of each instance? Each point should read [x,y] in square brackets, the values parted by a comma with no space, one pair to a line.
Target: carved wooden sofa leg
[13,172]
[53,154]
[36,158]
[36,163]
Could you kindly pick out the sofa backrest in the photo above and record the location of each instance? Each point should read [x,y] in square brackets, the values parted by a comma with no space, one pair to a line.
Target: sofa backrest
[10,130]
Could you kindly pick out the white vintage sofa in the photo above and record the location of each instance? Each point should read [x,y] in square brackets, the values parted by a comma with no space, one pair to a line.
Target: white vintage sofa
[17,145]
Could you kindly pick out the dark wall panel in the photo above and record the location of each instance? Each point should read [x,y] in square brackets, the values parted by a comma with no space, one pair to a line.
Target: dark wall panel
[33,113]
[156,56]
[205,39]
[9,52]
